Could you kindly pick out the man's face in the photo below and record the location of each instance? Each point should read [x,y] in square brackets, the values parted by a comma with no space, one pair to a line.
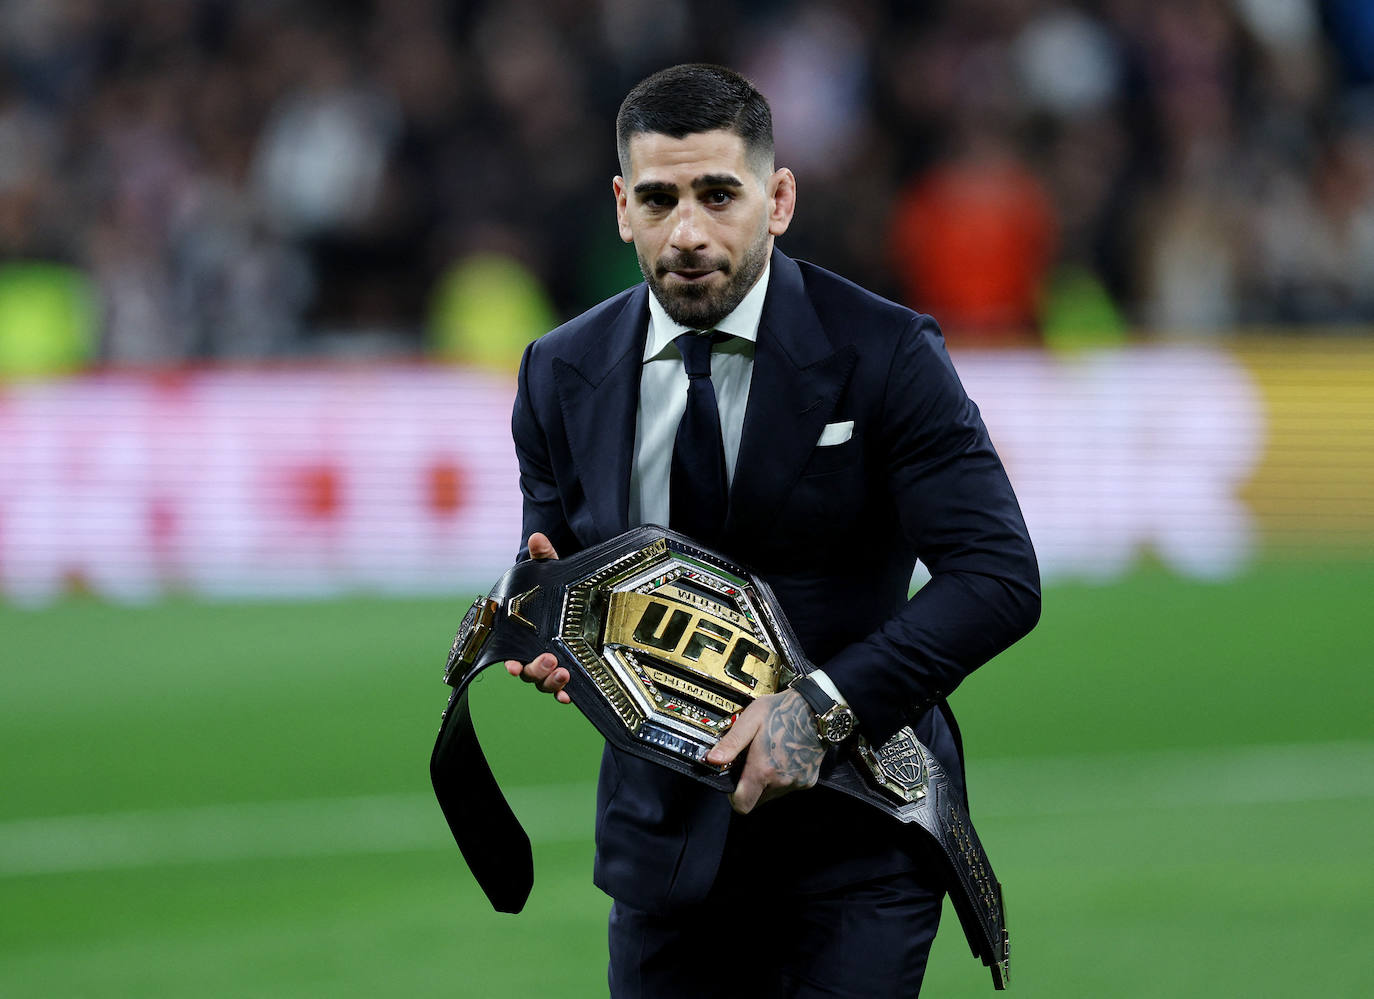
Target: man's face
[702,218]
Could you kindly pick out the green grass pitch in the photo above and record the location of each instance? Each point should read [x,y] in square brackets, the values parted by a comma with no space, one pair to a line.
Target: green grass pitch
[1175,781]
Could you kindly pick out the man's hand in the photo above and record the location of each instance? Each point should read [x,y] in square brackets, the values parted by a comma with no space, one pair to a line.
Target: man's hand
[543,671]
[784,749]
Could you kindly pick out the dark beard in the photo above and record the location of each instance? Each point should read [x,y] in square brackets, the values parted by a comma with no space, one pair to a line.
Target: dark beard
[701,308]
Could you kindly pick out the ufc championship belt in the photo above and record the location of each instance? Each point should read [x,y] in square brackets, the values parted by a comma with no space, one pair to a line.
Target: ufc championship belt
[665,641]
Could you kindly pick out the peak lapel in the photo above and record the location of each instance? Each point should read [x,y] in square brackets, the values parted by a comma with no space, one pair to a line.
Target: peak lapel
[797,382]
[599,395]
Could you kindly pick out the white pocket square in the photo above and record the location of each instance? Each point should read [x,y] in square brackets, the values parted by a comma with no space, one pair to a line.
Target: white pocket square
[836,433]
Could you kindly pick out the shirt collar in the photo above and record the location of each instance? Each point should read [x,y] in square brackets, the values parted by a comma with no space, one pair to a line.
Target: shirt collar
[743,322]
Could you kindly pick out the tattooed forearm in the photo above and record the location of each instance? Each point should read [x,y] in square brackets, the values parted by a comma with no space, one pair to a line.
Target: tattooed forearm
[783,751]
[789,739]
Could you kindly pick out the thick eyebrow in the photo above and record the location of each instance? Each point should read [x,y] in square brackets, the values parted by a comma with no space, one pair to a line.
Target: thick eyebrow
[716,180]
[710,180]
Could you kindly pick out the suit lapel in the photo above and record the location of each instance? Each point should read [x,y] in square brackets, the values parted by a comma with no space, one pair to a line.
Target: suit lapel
[797,383]
[599,395]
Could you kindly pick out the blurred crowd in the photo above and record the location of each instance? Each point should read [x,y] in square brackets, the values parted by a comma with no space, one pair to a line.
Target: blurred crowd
[213,179]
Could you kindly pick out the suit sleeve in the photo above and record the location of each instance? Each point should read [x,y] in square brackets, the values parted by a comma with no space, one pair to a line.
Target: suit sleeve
[956,509]
[542,505]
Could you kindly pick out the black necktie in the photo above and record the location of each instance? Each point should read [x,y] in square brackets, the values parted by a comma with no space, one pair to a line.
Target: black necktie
[699,491]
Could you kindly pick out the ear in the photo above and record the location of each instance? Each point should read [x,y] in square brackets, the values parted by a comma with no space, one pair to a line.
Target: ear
[782,196]
[622,209]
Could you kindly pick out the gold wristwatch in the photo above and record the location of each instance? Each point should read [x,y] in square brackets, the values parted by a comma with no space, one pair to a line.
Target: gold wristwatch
[834,721]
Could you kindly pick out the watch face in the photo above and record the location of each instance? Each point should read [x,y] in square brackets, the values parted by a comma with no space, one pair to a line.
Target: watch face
[838,724]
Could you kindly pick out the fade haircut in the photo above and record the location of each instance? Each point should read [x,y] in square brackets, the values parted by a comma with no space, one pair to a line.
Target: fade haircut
[696,97]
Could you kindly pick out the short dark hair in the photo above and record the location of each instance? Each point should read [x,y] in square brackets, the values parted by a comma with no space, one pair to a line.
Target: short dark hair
[695,97]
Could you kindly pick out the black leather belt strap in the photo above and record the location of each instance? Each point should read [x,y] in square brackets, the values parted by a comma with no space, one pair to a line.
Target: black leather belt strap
[527,613]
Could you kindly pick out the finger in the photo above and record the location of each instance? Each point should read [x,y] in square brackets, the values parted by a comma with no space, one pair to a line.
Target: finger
[540,546]
[537,669]
[562,697]
[555,681]
[733,742]
[746,793]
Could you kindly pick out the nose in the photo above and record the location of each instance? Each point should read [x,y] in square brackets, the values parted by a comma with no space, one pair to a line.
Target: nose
[687,232]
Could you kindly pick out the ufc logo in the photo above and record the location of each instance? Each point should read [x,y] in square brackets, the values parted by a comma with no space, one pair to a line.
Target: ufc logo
[686,634]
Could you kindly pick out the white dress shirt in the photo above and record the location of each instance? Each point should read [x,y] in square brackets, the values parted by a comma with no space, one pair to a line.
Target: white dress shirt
[663,399]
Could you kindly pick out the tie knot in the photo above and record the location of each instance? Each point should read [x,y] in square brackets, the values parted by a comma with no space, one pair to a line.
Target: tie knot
[695,349]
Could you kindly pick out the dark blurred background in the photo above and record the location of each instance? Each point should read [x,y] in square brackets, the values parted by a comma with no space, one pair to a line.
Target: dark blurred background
[213,179]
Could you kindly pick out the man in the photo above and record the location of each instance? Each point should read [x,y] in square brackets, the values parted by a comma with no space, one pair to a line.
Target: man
[845,448]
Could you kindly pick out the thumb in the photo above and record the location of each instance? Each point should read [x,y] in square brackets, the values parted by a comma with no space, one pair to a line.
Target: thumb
[541,547]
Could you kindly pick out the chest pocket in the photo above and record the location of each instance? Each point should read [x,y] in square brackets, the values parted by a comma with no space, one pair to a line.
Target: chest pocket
[828,458]
[830,494]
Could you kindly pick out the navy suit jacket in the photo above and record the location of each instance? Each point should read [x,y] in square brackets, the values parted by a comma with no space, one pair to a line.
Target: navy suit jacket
[835,530]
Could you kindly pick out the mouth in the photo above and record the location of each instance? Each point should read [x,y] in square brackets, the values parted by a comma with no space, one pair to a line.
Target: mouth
[692,276]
